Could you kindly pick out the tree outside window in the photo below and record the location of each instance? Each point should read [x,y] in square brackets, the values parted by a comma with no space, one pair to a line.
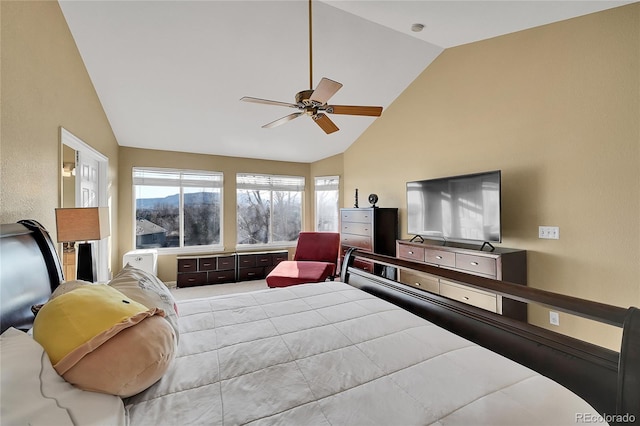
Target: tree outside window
[269,208]
[177,208]
[327,208]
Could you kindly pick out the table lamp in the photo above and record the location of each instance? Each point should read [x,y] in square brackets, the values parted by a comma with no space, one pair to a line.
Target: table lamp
[83,224]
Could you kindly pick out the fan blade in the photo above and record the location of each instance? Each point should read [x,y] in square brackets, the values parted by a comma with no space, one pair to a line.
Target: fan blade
[373,111]
[267,102]
[325,123]
[326,89]
[282,120]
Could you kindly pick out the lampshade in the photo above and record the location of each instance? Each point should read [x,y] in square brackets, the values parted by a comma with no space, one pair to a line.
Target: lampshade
[82,224]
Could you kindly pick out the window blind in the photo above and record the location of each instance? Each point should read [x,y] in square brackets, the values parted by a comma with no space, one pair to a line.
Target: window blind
[170,177]
[269,182]
[327,183]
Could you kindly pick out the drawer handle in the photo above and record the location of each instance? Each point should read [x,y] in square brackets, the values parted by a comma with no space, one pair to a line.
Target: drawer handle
[206,264]
[251,273]
[186,266]
[466,297]
[191,279]
[220,277]
[417,284]
[410,252]
[474,263]
[438,257]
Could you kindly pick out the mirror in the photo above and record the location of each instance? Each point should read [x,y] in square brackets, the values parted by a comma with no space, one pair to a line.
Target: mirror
[83,184]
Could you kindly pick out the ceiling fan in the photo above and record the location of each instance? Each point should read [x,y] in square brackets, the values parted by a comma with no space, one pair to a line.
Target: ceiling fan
[314,102]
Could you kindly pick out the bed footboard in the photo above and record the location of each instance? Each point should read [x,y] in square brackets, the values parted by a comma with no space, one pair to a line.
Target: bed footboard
[608,380]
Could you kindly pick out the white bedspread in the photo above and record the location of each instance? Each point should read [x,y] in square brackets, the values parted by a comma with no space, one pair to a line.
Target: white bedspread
[330,354]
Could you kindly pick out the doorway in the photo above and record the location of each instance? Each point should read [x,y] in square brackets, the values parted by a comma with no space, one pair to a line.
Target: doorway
[84,184]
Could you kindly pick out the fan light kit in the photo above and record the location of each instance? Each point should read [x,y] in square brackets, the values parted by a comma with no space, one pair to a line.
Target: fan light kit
[314,102]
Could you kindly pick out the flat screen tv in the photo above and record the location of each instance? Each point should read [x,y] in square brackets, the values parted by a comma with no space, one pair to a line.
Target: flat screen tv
[458,208]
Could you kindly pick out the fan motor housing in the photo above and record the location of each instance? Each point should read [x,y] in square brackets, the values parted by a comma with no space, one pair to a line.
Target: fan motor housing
[302,98]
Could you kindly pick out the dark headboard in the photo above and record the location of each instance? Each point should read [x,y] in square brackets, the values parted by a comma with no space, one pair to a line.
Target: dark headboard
[29,271]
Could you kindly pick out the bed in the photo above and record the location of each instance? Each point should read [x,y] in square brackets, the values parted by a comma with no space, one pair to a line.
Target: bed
[362,350]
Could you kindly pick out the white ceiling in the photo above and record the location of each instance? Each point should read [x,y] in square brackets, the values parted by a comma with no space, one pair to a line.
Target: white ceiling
[170,74]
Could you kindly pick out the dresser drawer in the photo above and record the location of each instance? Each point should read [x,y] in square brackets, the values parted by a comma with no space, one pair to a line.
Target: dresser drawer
[189,279]
[477,264]
[247,260]
[279,257]
[246,274]
[188,265]
[356,216]
[215,277]
[481,299]
[263,259]
[359,241]
[364,265]
[226,262]
[422,281]
[411,252]
[440,257]
[207,264]
[357,228]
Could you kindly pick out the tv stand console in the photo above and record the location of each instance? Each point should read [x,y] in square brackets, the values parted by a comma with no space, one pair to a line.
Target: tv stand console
[503,264]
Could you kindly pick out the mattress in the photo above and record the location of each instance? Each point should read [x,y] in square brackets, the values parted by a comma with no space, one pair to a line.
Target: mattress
[330,354]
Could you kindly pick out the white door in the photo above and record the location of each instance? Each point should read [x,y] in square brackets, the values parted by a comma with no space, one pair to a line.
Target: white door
[87,182]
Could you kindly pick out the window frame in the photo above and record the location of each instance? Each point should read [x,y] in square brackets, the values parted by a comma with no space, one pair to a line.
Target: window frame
[216,183]
[271,183]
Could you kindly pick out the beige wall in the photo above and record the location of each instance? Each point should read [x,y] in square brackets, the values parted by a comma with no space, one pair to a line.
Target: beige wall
[557,109]
[132,157]
[45,86]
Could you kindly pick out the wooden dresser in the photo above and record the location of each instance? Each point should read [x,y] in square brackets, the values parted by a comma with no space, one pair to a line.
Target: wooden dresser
[209,269]
[257,265]
[369,229]
[501,264]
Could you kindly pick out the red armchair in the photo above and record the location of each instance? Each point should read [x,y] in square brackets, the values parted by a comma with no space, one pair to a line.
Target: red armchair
[315,260]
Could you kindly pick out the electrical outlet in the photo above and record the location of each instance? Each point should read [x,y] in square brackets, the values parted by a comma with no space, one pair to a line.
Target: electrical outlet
[554,318]
[549,232]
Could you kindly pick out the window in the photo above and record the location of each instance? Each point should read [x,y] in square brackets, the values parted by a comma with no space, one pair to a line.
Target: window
[269,208]
[177,208]
[327,191]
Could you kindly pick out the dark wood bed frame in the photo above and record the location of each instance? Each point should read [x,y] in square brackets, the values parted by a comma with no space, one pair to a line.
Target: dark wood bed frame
[610,381]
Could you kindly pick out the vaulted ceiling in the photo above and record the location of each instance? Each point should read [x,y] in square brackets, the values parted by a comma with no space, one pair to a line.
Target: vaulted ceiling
[170,74]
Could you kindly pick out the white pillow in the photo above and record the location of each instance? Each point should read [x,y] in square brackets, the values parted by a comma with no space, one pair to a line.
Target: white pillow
[149,290]
[67,286]
[33,393]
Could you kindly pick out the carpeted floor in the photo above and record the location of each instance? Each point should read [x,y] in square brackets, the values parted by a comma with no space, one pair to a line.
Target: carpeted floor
[198,292]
